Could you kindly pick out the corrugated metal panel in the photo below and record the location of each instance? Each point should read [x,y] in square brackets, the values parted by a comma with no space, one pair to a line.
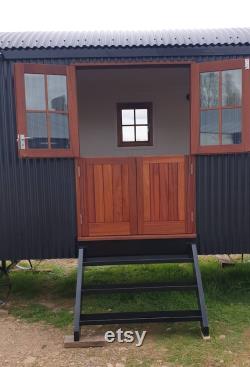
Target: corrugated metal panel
[37,196]
[223,203]
[187,37]
[129,53]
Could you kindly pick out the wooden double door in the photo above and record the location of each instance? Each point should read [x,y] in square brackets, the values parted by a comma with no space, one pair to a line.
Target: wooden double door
[146,196]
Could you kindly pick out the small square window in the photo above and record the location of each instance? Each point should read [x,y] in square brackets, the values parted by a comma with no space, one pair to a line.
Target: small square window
[134,124]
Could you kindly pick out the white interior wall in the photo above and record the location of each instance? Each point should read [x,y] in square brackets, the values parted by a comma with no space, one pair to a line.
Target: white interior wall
[99,90]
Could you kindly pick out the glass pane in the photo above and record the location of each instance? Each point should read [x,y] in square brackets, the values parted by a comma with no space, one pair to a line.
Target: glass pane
[231,87]
[128,117]
[34,92]
[57,92]
[59,131]
[37,130]
[128,133]
[141,116]
[141,133]
[209,89]
[231,126]
[209,128]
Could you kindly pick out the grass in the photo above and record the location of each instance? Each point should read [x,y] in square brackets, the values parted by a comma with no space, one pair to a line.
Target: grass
[37,312]
[48,297]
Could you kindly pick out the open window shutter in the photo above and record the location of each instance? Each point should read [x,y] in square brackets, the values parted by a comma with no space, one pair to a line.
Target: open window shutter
[73,109]
[68,145]
[220,100]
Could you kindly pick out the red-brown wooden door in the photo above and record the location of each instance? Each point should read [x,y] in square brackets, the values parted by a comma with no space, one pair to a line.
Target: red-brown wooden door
[107,190]
[165,195]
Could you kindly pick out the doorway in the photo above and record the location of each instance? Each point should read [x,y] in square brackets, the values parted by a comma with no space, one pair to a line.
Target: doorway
[131,190]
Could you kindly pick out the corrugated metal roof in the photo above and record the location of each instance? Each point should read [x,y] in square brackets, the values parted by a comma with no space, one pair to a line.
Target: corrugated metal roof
[188,37]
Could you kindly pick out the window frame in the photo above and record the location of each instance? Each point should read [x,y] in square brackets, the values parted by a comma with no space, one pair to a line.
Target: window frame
[69,71]
[214,66]
[134,106]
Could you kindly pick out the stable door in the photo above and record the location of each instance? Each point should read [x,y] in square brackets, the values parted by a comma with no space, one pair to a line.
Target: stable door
[148,196]
[107,197]
[163,192]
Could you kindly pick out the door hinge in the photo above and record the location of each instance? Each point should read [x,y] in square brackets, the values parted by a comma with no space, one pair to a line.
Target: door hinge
[191,169]
[192,216]
[247,64]
[81,218]
[78,171]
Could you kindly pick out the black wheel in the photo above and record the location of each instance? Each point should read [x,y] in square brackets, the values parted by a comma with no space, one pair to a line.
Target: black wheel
[24,265]
[4,287]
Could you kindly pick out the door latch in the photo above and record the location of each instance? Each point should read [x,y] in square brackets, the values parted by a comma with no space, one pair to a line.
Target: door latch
[21,141]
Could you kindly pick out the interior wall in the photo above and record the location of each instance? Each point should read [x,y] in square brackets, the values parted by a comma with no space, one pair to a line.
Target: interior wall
[99,90]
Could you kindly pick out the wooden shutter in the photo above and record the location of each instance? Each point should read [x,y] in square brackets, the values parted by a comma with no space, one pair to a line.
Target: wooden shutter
[108,197]
[20,70]
[163,204]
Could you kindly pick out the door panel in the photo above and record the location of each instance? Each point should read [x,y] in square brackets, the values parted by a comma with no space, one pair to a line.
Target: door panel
[108,187]
[135,196]
[162,197]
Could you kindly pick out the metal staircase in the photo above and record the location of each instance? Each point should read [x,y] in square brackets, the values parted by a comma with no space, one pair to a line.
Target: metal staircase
[199,314]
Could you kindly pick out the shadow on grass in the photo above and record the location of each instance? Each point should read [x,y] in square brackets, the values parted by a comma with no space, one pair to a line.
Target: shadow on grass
[224,288]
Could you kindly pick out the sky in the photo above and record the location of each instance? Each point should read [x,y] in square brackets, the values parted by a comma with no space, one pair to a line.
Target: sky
[55,15]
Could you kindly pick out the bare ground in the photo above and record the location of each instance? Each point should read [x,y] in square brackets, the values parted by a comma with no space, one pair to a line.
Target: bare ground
[36,345]
[25,344]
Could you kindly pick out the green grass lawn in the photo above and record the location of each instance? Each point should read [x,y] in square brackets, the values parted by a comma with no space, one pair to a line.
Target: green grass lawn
[48,297]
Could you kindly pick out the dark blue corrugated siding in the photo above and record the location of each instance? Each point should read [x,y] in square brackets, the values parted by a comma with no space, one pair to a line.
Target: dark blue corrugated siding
[223,203]
[37,196]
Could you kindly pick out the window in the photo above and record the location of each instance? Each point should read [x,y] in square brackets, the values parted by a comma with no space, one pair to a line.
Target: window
[218,109]
[220,104]
[47,122]
[134,124]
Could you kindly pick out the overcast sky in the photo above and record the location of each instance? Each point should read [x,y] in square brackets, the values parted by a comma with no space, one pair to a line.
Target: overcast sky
[42,15]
